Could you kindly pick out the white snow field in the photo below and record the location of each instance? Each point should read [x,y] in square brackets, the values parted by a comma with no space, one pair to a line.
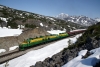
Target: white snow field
[13,48]
[4,32]
[55,31]
[41,24]
[34,56]
[2,50]
[88,62]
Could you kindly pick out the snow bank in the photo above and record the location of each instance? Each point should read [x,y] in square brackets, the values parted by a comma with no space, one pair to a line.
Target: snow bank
[88,62]
[13,48]
[73,62]
[82,52]
[9,32]
[34,56]
[56,31]
[3,19]
[76,61]
[41,24]
[2,50]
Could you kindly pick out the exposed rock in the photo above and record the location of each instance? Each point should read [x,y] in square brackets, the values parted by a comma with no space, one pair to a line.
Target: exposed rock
[39,64]
[86,55]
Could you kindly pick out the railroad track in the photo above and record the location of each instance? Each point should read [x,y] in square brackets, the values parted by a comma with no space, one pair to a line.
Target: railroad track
[9,56]
[12,55]
[8,53]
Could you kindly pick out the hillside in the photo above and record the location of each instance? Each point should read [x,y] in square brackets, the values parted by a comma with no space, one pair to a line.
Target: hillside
[32,25]
[14,18]
[81,53]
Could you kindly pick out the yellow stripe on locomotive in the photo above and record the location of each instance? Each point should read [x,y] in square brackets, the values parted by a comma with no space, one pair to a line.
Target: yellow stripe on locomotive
[37,39]
[52,36]
[64,34]
[24,43]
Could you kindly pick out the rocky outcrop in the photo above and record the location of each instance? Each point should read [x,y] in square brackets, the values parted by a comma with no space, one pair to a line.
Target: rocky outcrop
[64,56]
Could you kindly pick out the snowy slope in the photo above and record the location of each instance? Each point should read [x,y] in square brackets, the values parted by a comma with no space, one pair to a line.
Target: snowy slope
[55,31]
[34,56]
[13,48]
[9,32]
[88,62]
[2,50]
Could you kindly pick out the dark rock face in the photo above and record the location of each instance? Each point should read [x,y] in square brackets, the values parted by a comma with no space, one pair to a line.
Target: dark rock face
[64,56]
[57,60]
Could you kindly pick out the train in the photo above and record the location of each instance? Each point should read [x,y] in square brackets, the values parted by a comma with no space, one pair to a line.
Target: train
[32,42]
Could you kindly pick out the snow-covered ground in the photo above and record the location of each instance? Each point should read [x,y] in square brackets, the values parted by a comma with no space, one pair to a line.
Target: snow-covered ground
[9,32]
[55,31]
[41,24]
[13,48]
[34,56]
[88,62]
[10,49]
[3,19]
[2,50]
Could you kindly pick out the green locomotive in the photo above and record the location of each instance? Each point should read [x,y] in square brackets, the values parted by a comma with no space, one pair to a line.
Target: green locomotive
[32,42]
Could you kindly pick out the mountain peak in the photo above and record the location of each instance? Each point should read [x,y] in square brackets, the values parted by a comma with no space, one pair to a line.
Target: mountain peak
[62,15]
[83,20]
[97,19]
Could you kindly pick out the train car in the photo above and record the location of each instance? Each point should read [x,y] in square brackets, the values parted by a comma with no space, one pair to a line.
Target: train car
[31,42]
[52,38]
[76,32]
[63,35]
[24,44]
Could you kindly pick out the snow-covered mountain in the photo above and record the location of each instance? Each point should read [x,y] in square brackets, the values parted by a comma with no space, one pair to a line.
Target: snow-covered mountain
[97,19]
[62,16]
[83,20]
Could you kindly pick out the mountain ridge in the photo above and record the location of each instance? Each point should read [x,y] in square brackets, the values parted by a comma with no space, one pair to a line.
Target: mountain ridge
[82,20]
[23,19]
